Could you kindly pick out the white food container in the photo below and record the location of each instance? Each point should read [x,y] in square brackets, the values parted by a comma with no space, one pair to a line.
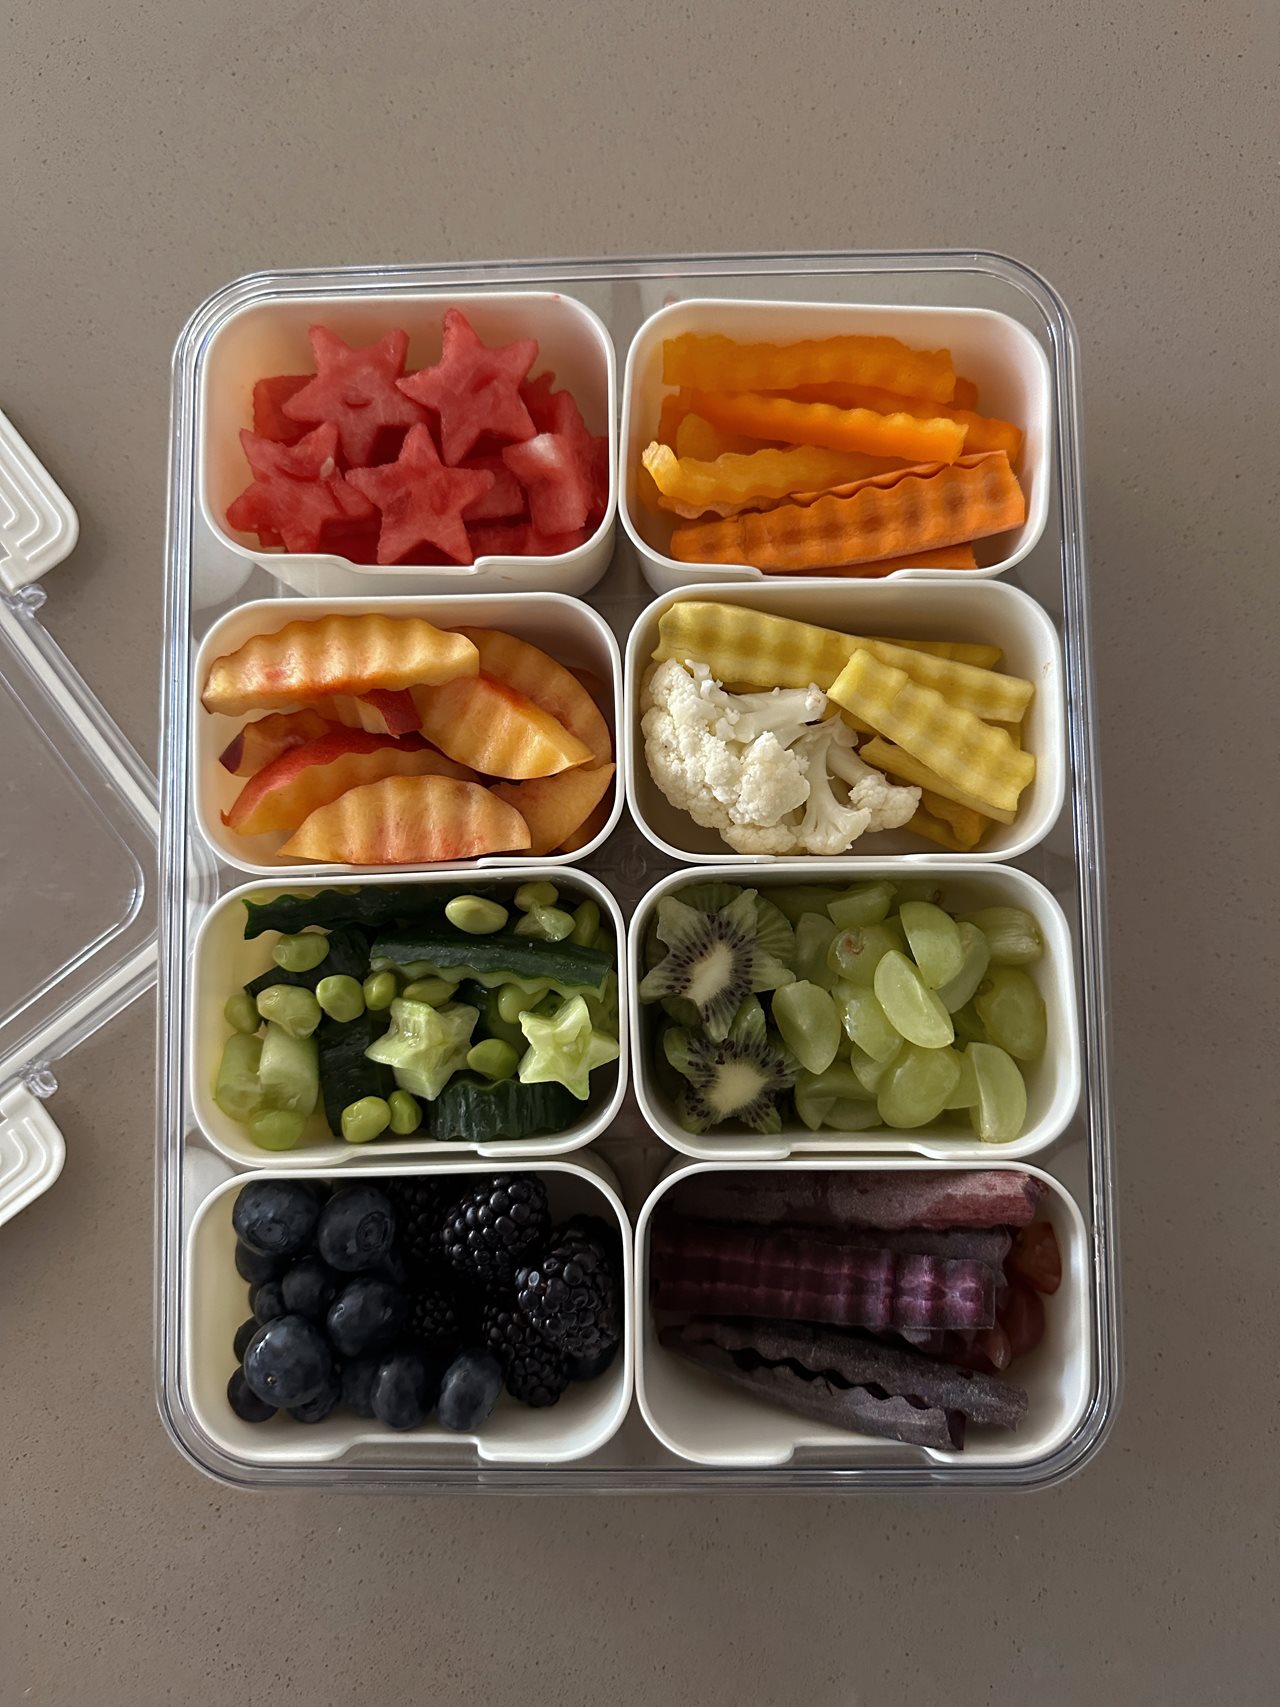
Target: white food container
[216,1303]
[566,628]
[223,960]
[270,337]
[706,1419]
[948,609]
[1053,1082]
[1008,365]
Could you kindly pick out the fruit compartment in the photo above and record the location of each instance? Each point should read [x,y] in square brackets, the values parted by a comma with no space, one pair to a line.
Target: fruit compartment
[708,1421]
[567,628]
[580,1423]
[1010,368]
[223,960]
[989,612]
[1053,1082]
[270,337]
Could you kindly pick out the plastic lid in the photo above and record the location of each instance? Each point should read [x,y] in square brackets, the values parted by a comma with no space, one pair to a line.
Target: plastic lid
[80,836]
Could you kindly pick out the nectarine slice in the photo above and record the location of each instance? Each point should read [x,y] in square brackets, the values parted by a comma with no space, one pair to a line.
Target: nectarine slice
[587,831]
[287,790]
[554,806]
[547,683]
[409,821]
[496,729]
[259,743]
[382,711]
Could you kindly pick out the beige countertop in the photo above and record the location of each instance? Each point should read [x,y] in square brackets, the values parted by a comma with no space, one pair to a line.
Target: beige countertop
[153,152]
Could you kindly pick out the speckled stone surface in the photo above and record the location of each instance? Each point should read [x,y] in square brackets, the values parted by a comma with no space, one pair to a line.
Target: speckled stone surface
[152,152]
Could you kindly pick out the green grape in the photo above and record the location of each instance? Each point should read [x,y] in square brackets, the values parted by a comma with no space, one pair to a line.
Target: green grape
[835,1099]
[865,1021]
[915,1089]
[919,889]
[855,954]
[794,900]
[909,1005]
[749,1024]
[969,1028]
[301,953]
[814,935]
[934,940]
[973,969]
[1012,935]
[965,1094]
[1012,1009]
[1001,1109]
[810,1026]
[864,904]
[867,1070]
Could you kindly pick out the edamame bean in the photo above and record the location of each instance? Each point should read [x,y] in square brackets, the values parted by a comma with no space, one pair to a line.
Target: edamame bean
[276,1128]
[406,1115]
[548,924]
[586,922]
[475,915]
[241,1013]
[365,1120]
[494,1058]
[514,1001]
[301,953]
[536,895]
[379,991]
[341,997]
[294,1010]
[435,991]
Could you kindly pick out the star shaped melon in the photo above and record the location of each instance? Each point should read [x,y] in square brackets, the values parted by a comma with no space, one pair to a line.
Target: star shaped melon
[474,389]
[421,501]
[565,1049]
[355,388]
[297,492]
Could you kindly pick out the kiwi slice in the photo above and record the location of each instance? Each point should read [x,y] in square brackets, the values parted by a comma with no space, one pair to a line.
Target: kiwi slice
[772,928]
[735,1080]
[714,960]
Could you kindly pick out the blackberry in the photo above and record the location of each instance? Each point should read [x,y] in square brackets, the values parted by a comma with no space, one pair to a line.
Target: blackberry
[439,1322]
[495,1227]
[536,1373]
[572,1297]
[417,1203]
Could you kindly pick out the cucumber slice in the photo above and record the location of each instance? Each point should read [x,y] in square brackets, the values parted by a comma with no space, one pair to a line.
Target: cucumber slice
[511,956]
[238,1089]
[289,1071]
[346,1073]
[374,909]
[472,1108]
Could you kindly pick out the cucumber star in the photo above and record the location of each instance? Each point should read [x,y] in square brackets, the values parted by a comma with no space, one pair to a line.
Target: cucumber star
[425,1046]
[565,1049]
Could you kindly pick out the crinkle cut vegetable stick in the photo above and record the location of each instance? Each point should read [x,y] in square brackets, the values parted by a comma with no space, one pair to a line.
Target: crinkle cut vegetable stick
[896,761]
[699,439]
[945,557]
[914,509]
[966,394]
[976,756]
[982,657]
[923,823]
[763,415]
[890,1199]
[735,478]
[712,362]
[982,432]
[966,825]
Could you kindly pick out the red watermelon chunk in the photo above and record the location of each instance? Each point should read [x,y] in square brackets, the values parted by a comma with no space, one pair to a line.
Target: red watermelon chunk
[422,502]
[536,395]
[521,539]
[269,397]
[297,492]
[505,498]
[555,479]
[356,389]
[473,389]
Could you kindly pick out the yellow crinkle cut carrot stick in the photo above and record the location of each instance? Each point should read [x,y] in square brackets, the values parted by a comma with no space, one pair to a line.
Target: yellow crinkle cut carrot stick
[715,363]
[891,515]
[736,479]
[697,438]
[975,756]
[966,824]
[739,644]
[895,761]
[963,651]
[937,830]
[764,416]
[982,432]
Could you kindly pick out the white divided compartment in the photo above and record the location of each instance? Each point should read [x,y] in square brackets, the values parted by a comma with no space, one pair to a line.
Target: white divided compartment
[1053,1082]
[566,628]
[270,337]
[710,1421]
[945,609]
[215,1302]
[1009,367]
[223,960]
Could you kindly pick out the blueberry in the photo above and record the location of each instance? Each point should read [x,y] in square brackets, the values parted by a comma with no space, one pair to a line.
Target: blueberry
[244,1333]
[356,1228]
[366,1315]
[587,1368]
[288,1362]
[358,1376]
[267,1301]
[317,1409]
[276,1217]
[252,1266]
[404,1390]
[394,1268]
[309,1288]
[245,1402]
[469,1390]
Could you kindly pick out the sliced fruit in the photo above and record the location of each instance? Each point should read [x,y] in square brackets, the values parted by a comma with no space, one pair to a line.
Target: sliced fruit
[382,711]
[591,826]
[422,502]
[280,796]
[496,729]
[522,539]
[547,683]
[504,501]
[715,960]
[555,806]
[355,389]
[409,821]
[474,389]
[558,484]
[307,661]
[259,743]
[297,494]
[269,397]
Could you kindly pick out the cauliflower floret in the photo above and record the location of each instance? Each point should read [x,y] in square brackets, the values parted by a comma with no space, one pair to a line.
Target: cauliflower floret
[890,805]
[829,826]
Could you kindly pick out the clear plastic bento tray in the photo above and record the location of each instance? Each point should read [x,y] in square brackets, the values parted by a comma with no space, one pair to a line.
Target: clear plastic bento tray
[654,1428]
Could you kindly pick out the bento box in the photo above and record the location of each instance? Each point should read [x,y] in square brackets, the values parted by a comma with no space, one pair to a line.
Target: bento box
[652,1421]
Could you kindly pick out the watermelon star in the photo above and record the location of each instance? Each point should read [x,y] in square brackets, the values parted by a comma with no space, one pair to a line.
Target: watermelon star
[565,1049]
[355,388]
[474,389]
[421,500]
[297,492]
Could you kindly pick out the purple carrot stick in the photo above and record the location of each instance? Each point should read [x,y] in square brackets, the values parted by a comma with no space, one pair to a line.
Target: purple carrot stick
[890,1200]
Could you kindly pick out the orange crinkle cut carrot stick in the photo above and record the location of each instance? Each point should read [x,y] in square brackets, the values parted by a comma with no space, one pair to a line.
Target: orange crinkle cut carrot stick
[982,432]
[892,515]
[766,417]
[733,478]
[715,363]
